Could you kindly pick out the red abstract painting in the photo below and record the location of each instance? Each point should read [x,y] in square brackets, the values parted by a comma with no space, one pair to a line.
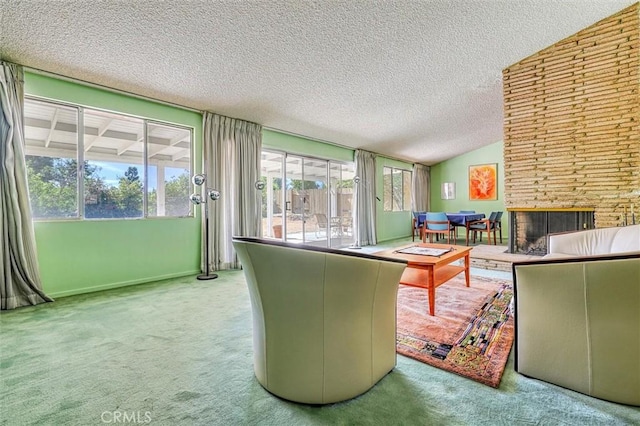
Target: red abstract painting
[483,182]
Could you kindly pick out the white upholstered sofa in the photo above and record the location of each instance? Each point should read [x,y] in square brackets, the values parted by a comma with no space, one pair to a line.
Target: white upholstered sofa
[324,321]
[594,242]
[577,314]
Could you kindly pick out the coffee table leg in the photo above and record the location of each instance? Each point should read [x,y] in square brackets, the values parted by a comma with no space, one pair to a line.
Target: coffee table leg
[432,292]
[467,264]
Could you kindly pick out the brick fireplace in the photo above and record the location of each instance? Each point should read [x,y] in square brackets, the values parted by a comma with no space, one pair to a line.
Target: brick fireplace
[571,131]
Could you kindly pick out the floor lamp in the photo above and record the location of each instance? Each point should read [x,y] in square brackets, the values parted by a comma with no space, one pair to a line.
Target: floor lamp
[213,195]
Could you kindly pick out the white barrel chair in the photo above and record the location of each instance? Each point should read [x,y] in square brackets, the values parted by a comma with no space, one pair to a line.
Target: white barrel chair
[324,321]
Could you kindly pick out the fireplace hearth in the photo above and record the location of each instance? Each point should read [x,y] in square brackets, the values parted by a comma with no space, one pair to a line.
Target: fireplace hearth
[529,228]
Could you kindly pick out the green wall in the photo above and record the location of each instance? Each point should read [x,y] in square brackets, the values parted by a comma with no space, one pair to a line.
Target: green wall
[457,170]
[300,145]
[79,256]
[394,225]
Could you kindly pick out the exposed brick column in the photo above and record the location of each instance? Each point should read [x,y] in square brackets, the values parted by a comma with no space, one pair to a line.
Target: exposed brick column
[571,122]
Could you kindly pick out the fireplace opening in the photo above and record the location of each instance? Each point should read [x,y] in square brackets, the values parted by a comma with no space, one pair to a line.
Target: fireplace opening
[529,228]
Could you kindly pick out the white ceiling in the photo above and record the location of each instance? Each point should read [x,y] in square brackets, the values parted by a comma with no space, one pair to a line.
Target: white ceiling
[414,80]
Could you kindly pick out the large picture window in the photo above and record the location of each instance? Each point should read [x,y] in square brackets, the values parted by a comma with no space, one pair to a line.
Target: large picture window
[396,189]
[131,167]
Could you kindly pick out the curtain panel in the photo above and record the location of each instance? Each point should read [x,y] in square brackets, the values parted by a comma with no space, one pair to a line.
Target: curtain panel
[365,198]
[231,154]
[20,283]
[420,188]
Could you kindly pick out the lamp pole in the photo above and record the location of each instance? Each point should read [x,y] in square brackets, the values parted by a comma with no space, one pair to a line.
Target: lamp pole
[206,275]
[197,199]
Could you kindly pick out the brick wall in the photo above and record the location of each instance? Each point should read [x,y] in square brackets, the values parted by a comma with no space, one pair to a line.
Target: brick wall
[571,122]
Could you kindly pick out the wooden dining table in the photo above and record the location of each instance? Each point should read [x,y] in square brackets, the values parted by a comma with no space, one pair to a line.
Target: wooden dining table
[463,220]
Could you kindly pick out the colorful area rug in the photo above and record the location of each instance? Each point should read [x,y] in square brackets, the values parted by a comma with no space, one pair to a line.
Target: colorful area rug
[471,333]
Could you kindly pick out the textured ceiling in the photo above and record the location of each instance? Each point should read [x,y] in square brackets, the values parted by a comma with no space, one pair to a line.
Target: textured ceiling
[414,80]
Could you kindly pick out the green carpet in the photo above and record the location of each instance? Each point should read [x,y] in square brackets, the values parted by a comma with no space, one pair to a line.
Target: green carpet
[178,352]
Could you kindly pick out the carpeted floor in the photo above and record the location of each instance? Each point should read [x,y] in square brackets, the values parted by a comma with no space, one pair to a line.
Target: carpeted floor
[178,352]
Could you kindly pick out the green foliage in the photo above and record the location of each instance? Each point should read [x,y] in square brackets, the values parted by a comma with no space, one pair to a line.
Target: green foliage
[132,174]
[177,195]
[397,191]
[128,195]
[51,200]
[122,201]
[300,184]
[277,182]
[152,203]
[344,183]
[53,190]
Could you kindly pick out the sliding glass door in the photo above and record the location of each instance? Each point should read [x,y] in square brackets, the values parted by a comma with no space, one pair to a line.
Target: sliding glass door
[318,226]
[273,207]
[341,203]
[296,200]
[307,200]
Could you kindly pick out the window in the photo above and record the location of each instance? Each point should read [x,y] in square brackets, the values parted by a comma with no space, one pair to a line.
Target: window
[169,170]
[113,165]
[51,155]
[131,167]
[396,189]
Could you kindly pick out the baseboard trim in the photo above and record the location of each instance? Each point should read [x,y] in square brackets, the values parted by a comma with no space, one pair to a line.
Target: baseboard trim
[109,286]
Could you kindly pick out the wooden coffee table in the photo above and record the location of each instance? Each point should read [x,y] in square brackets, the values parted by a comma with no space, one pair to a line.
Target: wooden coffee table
[431,271]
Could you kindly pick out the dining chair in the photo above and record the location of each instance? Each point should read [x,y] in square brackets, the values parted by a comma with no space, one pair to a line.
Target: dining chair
[417,224]
[498,225]
[437,223]
[485,225]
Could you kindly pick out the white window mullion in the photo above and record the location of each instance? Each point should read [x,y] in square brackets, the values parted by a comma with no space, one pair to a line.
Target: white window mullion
[145,173]
[80,133]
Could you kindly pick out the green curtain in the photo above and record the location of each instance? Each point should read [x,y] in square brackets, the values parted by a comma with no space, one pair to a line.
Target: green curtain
[19,272]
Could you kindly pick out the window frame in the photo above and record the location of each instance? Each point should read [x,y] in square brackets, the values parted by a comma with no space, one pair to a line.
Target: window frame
[332,202]
[400,204]
[80,158]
